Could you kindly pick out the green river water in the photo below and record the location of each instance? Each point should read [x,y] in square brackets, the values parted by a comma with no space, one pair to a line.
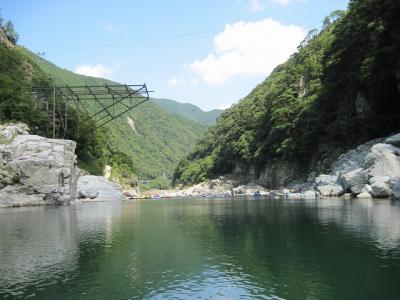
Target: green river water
[202,249]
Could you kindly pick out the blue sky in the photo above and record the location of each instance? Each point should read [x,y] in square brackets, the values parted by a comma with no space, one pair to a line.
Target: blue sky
[210,52]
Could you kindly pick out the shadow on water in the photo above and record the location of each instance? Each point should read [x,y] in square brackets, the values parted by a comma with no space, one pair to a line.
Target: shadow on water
[182,248]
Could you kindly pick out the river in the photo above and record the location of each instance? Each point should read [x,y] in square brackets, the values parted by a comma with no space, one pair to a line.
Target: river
[203,249]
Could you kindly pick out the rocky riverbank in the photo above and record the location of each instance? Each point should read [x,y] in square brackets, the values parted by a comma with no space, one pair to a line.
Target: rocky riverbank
[35,170]
[372,170]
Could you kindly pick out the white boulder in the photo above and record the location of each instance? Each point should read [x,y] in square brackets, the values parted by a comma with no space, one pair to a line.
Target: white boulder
[98,188]
[383,160]
[325,179]
[371,169]
[354,180]
[330,190]
[364,195]
[35,170]
[380,187]
[354,158]
[310,194]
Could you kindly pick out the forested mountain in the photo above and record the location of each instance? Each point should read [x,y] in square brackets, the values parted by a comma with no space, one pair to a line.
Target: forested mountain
[341,88]
[189,111]
[146,143]
[151,147]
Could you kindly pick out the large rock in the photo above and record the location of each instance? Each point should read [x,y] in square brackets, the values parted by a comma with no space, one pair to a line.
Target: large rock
[354,158]
[330,190]
[370,169]
[310,194]
[35,166]
[383,160]
[323,180]
[380,186]
[8,199]
[354,181]
[364,195]
[98,188]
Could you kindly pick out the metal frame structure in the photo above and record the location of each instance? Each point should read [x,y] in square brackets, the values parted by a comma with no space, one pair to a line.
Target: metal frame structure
[100,103]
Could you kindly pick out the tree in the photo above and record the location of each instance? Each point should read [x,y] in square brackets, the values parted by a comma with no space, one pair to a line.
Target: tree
[1,21]
[9,30]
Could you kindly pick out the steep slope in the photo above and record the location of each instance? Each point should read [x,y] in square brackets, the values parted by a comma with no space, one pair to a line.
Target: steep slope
[189,111]
[146,142]
[340,89]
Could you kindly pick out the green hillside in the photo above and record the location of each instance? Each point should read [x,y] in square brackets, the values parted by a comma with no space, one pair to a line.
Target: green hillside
[189,111]
[149,149]
[341,88]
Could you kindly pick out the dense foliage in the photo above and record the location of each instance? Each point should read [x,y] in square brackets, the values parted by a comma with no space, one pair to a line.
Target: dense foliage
[339,89]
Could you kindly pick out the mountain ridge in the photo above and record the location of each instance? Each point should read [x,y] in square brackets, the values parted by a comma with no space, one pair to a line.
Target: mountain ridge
[189,111]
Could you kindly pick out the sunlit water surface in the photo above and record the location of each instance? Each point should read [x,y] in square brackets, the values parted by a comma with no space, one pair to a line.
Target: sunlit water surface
[204,249]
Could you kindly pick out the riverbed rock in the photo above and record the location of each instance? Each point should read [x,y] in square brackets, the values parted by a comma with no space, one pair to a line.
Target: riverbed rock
[383,160]
[364,195]
[353,159]
[310,194]
[294,196]
[35,170]
[354,181]
[372,168]
[380,187]
[330,190]
[9,199]
[98,188]
[326,180]
[47,166]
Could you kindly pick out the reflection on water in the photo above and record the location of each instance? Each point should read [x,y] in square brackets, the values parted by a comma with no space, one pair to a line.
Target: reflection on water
[272,249]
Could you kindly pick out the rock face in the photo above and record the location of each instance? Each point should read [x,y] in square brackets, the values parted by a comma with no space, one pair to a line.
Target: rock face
[370,170]
[277,174]
[395,195]
[35,170]
[354,181]
[98,188]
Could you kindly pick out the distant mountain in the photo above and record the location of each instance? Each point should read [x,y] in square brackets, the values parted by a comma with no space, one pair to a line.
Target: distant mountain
[147,139]
[189,111]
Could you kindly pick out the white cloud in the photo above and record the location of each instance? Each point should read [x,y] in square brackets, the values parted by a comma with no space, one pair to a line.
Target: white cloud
[98,70]
[256,5]
[248,49]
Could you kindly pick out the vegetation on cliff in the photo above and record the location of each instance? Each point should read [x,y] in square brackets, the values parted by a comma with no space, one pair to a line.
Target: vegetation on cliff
[340,88]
